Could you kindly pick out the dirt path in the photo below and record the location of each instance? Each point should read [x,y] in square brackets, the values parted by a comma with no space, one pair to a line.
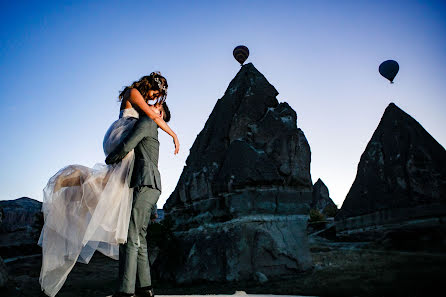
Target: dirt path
[237,293]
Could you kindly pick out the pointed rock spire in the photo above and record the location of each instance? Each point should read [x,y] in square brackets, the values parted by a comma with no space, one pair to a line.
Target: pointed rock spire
[402,166]
[241,205]
[249,140]
[321,199]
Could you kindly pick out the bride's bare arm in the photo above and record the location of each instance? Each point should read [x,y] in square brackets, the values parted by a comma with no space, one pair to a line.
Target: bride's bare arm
[135,98]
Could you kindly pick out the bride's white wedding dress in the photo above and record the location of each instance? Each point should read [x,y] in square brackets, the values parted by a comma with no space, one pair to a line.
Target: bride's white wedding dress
[86,210]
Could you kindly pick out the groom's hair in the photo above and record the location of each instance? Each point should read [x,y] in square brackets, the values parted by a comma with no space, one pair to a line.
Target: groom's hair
[166,112]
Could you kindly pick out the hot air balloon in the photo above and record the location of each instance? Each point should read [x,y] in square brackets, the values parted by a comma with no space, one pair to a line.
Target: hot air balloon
[241,53]
[389,69]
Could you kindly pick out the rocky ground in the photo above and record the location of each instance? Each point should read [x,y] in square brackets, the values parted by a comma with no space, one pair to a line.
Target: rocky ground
[340,269]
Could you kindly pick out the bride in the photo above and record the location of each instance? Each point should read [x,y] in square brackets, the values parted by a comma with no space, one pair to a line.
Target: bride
[88,209]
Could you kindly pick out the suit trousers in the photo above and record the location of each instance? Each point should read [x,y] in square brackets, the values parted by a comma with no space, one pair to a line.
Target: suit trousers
[134,266]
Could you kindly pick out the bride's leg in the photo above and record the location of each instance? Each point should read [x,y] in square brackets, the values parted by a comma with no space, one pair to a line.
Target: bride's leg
[71,176]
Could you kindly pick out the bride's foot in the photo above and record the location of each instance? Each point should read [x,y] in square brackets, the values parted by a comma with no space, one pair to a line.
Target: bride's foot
[144,292]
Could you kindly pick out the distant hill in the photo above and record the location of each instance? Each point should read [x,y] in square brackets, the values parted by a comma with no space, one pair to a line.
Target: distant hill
[18,213]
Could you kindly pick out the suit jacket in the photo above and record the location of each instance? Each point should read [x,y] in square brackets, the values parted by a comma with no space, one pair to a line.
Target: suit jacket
[144,140]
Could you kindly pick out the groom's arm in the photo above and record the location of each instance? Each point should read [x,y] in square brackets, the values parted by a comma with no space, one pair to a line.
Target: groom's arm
[143,127]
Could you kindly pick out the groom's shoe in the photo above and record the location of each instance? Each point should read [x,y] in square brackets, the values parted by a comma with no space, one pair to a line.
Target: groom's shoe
[144,292]
[120,294]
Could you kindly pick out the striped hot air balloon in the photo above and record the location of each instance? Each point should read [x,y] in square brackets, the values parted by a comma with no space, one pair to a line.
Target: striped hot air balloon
[241,53]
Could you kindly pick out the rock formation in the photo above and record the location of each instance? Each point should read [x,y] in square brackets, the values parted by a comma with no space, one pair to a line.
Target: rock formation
[321,199]
[241,204]
[3,274]
[20,226]
[401,175]
[18,213]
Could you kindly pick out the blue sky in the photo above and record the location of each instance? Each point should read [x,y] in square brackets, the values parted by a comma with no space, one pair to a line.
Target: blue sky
[63,63]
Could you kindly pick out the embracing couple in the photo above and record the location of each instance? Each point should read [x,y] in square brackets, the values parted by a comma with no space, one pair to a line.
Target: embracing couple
[107,208]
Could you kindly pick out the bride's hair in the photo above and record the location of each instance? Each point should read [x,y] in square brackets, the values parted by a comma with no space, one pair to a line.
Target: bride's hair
[166,112]
[155,81]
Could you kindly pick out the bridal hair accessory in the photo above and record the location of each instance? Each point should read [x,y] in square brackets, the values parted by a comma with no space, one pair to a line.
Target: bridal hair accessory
[161,86]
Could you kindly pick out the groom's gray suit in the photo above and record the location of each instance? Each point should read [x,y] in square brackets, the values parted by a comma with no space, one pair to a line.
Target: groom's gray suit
[134,267]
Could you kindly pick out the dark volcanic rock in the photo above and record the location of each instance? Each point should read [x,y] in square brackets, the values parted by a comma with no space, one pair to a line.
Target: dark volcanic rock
[19,213]
[3,274]
[398,198]
[241,249]
[321,198]
[241,205]
[21,225]
[402,166]
[249,140]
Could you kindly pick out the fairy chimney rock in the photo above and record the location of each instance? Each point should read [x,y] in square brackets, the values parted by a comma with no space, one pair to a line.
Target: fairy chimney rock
[402,167]
[241,205]
[321,199]
[250,158]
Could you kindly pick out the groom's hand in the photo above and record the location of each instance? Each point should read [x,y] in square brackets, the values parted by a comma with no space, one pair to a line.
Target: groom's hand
[154,216]
[108,161]
[112,159]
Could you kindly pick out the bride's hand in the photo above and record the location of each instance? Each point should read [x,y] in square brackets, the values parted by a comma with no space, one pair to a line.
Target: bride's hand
[177,144]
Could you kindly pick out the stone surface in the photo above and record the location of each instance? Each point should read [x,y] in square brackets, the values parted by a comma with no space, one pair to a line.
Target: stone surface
[235,250]
[261,278]
[3,274]
[321,198]
[241,204]
[403,166]
[20,227]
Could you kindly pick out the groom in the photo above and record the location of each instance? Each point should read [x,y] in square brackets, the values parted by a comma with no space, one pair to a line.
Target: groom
[134,267]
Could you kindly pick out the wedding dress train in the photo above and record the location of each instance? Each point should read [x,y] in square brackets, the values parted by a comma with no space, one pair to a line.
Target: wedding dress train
[86,210]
